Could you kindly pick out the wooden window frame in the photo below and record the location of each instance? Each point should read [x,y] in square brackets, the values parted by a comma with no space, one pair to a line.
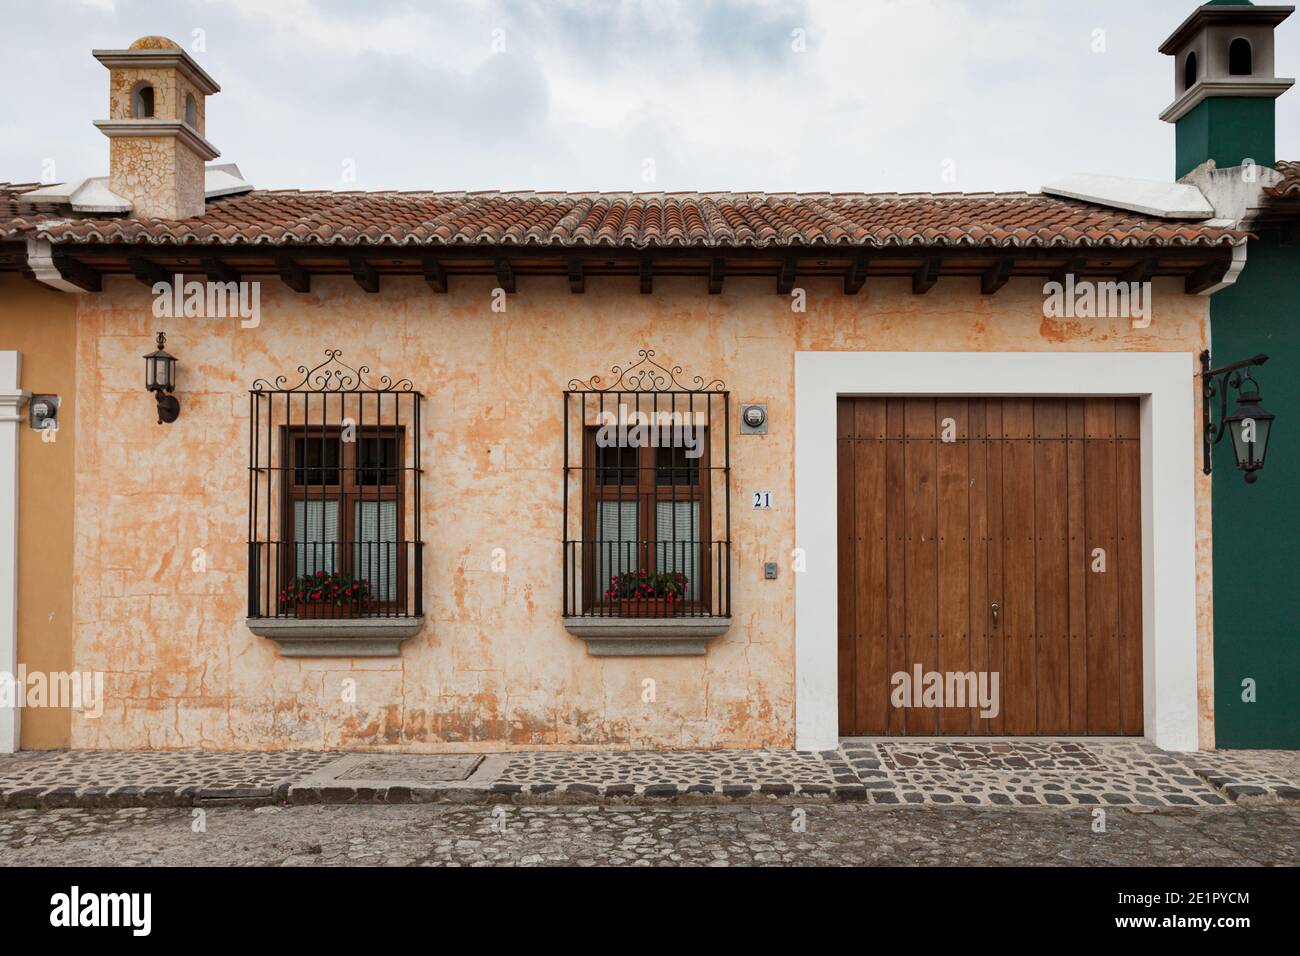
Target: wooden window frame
[346,493]
[646,492]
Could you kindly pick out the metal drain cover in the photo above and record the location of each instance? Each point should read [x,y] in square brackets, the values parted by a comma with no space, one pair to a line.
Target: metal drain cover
[414,768]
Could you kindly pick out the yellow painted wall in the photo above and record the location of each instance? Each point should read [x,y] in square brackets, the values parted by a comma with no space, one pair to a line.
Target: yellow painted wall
[41,324]
[494,668]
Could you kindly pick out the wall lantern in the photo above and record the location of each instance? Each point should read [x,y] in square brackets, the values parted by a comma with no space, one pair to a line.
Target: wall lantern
[160,378]
[1249,424]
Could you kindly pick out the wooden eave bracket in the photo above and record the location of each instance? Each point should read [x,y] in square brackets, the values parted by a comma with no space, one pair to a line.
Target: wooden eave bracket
[293,275]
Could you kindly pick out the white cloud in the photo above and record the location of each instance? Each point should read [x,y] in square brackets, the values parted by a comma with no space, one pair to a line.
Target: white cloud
[584,91]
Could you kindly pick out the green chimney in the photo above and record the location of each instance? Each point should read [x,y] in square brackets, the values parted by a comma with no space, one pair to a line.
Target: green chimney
[1224,83]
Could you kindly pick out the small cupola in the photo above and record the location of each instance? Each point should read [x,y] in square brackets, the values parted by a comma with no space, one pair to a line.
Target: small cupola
[1224,85]
[157,111]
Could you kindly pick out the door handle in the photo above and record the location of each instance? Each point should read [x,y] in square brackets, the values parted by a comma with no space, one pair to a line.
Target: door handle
[996,609]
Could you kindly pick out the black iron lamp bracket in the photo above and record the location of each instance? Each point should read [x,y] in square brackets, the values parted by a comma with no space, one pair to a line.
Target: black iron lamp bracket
[1215,384]
[169,407]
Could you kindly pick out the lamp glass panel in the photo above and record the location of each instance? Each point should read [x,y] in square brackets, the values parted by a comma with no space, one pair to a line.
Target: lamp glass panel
[1249,453]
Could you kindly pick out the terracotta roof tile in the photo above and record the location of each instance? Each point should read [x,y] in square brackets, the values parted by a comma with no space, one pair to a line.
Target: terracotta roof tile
[1289,187]
[626,220]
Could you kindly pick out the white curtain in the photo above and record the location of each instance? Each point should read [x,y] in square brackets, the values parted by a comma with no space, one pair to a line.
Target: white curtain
[616,542]
[375,557]
[315,535]
[677,536]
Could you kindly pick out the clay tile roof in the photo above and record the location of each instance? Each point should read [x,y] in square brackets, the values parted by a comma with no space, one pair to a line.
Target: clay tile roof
[1289,187]
[624,220]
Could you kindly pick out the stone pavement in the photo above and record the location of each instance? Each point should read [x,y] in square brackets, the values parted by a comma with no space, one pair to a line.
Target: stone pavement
[654,834]
[969,772]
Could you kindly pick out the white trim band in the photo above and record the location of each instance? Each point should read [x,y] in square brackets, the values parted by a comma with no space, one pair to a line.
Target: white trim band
[12,399]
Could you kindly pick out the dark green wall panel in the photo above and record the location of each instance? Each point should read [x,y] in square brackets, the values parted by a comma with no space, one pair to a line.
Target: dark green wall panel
[1257,527]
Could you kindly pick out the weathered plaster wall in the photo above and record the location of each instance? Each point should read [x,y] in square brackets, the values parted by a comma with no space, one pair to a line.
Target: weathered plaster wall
[494,668]
[41,324]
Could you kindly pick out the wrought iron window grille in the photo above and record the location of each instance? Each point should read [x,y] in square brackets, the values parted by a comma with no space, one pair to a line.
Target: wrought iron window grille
[647,498]
[334,495]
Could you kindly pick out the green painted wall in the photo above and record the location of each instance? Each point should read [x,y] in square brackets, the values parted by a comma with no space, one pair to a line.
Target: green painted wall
[1226,129]
[1257,527]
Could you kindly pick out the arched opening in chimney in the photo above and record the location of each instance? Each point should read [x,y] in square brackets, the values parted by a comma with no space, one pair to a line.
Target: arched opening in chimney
[1239,58]
[1189,71]
[142,101]
[191,111]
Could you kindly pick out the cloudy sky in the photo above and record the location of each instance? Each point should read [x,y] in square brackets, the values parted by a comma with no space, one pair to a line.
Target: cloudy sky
[873,95]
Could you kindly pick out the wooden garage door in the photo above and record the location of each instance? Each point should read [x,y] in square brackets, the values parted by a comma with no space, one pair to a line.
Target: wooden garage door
[949,506]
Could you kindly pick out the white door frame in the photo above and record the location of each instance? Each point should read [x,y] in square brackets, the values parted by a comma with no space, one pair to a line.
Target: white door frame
[11,402]
[1165,382]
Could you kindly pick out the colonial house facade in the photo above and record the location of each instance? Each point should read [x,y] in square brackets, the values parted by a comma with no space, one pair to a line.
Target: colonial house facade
[480,471]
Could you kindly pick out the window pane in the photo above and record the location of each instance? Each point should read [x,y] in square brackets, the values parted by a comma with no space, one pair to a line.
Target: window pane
[377,461]
[615,466]
[616,543]
[315,536]
[677,541]
[375,550]
[317,460]
[673,467]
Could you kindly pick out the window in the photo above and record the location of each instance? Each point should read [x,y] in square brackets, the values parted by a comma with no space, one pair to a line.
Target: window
[142,101]
[334,497]
[1189,71]
[1239,58]
[191,111]
[646,499]
[647,508]
[342,508]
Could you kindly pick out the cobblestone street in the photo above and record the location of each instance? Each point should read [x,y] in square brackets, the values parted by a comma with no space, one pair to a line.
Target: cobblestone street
[736,835]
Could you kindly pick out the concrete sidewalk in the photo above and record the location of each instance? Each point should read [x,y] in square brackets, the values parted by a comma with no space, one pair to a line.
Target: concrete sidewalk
[972,773]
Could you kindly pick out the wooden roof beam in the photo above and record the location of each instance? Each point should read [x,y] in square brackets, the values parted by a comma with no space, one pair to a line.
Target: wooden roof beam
[365,274]
[78,273]
[926,275]
[647,275]
[1140,271]
[505,275]
[996,275]
[577,280]
[1072,267]
[147,272]
[786,277]
[1206,277]
[856,277]
[293,275]
[434,274]
[218,271]
[717,272]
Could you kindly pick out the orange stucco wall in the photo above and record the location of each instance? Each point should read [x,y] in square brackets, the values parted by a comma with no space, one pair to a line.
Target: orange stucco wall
[41,324]
[494,668]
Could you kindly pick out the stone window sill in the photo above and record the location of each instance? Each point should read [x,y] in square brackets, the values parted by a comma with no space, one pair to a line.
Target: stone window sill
[339,637]
[647,637]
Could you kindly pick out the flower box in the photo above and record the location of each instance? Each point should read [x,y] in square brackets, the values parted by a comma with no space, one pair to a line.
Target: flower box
[325,595]
[649,607]
[646,593]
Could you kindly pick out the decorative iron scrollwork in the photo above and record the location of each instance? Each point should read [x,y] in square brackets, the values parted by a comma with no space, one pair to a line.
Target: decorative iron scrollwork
[333,375]
[646,375]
